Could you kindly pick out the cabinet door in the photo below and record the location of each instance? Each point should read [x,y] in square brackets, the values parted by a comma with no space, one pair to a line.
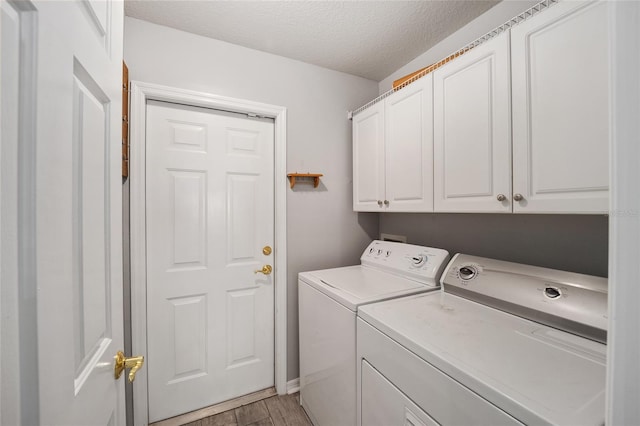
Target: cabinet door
[368,159]
[409,148]
[472,132]
[561,109]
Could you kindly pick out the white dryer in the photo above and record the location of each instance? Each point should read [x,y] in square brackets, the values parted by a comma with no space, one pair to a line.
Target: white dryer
[502,343]
[328,301]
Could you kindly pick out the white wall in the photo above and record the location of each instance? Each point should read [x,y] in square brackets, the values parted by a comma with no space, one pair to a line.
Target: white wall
[494,17]
[322,229]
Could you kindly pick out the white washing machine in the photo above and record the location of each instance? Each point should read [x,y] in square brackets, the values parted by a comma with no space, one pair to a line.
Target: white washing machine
[501,343]
[327,304]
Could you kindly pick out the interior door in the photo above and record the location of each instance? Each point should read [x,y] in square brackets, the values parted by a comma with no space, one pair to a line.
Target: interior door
[210,219]
[75,167]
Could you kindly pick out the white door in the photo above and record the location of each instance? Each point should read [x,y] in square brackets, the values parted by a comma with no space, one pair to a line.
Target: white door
[368,159]
[408,144]
[472,131]
[210,214]
[77,243]
[561,109]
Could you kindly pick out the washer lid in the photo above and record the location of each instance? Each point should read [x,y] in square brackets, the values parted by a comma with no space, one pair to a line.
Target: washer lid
[535,373]
[353,286]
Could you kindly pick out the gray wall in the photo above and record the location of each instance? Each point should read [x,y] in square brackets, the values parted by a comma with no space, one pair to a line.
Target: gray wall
[577,243]
[322,229]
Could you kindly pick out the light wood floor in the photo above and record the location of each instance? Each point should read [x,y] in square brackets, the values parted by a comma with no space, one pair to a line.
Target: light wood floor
[279,410]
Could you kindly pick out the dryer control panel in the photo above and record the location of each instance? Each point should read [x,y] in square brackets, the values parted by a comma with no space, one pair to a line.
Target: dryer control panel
[573,302]
[419,263]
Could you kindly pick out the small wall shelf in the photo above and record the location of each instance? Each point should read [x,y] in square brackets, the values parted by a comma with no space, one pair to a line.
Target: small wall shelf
[315,176]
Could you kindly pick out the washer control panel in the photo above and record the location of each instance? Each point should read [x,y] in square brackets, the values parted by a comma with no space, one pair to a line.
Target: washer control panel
[423,264]
[559,297]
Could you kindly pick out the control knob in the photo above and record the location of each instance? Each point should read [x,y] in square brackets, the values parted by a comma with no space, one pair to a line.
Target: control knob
[467,272]
[418,260]
[552,292]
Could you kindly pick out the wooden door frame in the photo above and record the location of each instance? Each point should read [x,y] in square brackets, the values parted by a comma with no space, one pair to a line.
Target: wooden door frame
[141,93]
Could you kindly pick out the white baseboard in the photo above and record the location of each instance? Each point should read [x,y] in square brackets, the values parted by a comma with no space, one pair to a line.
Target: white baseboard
[293,386]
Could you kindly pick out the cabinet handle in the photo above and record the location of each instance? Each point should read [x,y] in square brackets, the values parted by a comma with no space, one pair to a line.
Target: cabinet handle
[380,203]
[501,197]
[386,203]
[518,197]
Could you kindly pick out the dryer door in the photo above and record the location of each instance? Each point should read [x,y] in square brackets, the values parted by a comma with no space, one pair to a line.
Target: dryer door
[384,404]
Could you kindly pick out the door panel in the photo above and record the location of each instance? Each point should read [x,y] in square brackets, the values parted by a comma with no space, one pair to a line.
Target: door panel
[90,240]
[242,238]
[241,319]
[189,336]
[189,224]
[472,142]
[78,211]
[209,214]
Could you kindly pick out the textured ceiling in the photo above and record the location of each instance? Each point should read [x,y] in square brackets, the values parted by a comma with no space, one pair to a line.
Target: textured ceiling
[370,39]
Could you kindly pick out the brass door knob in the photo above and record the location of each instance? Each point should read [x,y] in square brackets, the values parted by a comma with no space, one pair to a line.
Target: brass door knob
[266,250]
[122,362]
[266,269]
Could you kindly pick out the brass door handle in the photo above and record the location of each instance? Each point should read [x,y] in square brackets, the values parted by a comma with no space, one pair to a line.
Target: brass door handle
[266,269]
[122,362]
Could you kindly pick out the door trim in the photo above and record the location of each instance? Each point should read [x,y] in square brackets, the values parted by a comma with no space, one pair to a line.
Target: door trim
[141,93]
[623,345]
[19,389]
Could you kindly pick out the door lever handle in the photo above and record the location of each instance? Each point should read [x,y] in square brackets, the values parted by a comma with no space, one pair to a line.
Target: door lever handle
[266,269]
[122,362]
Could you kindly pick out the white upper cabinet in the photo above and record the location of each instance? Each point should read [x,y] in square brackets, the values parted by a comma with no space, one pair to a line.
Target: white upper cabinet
[409,148]
[368,159]
[393,152]
[517,124]
[472,131]
[560,66]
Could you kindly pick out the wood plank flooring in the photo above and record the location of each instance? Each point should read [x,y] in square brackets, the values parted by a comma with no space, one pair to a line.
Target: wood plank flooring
[279,410]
